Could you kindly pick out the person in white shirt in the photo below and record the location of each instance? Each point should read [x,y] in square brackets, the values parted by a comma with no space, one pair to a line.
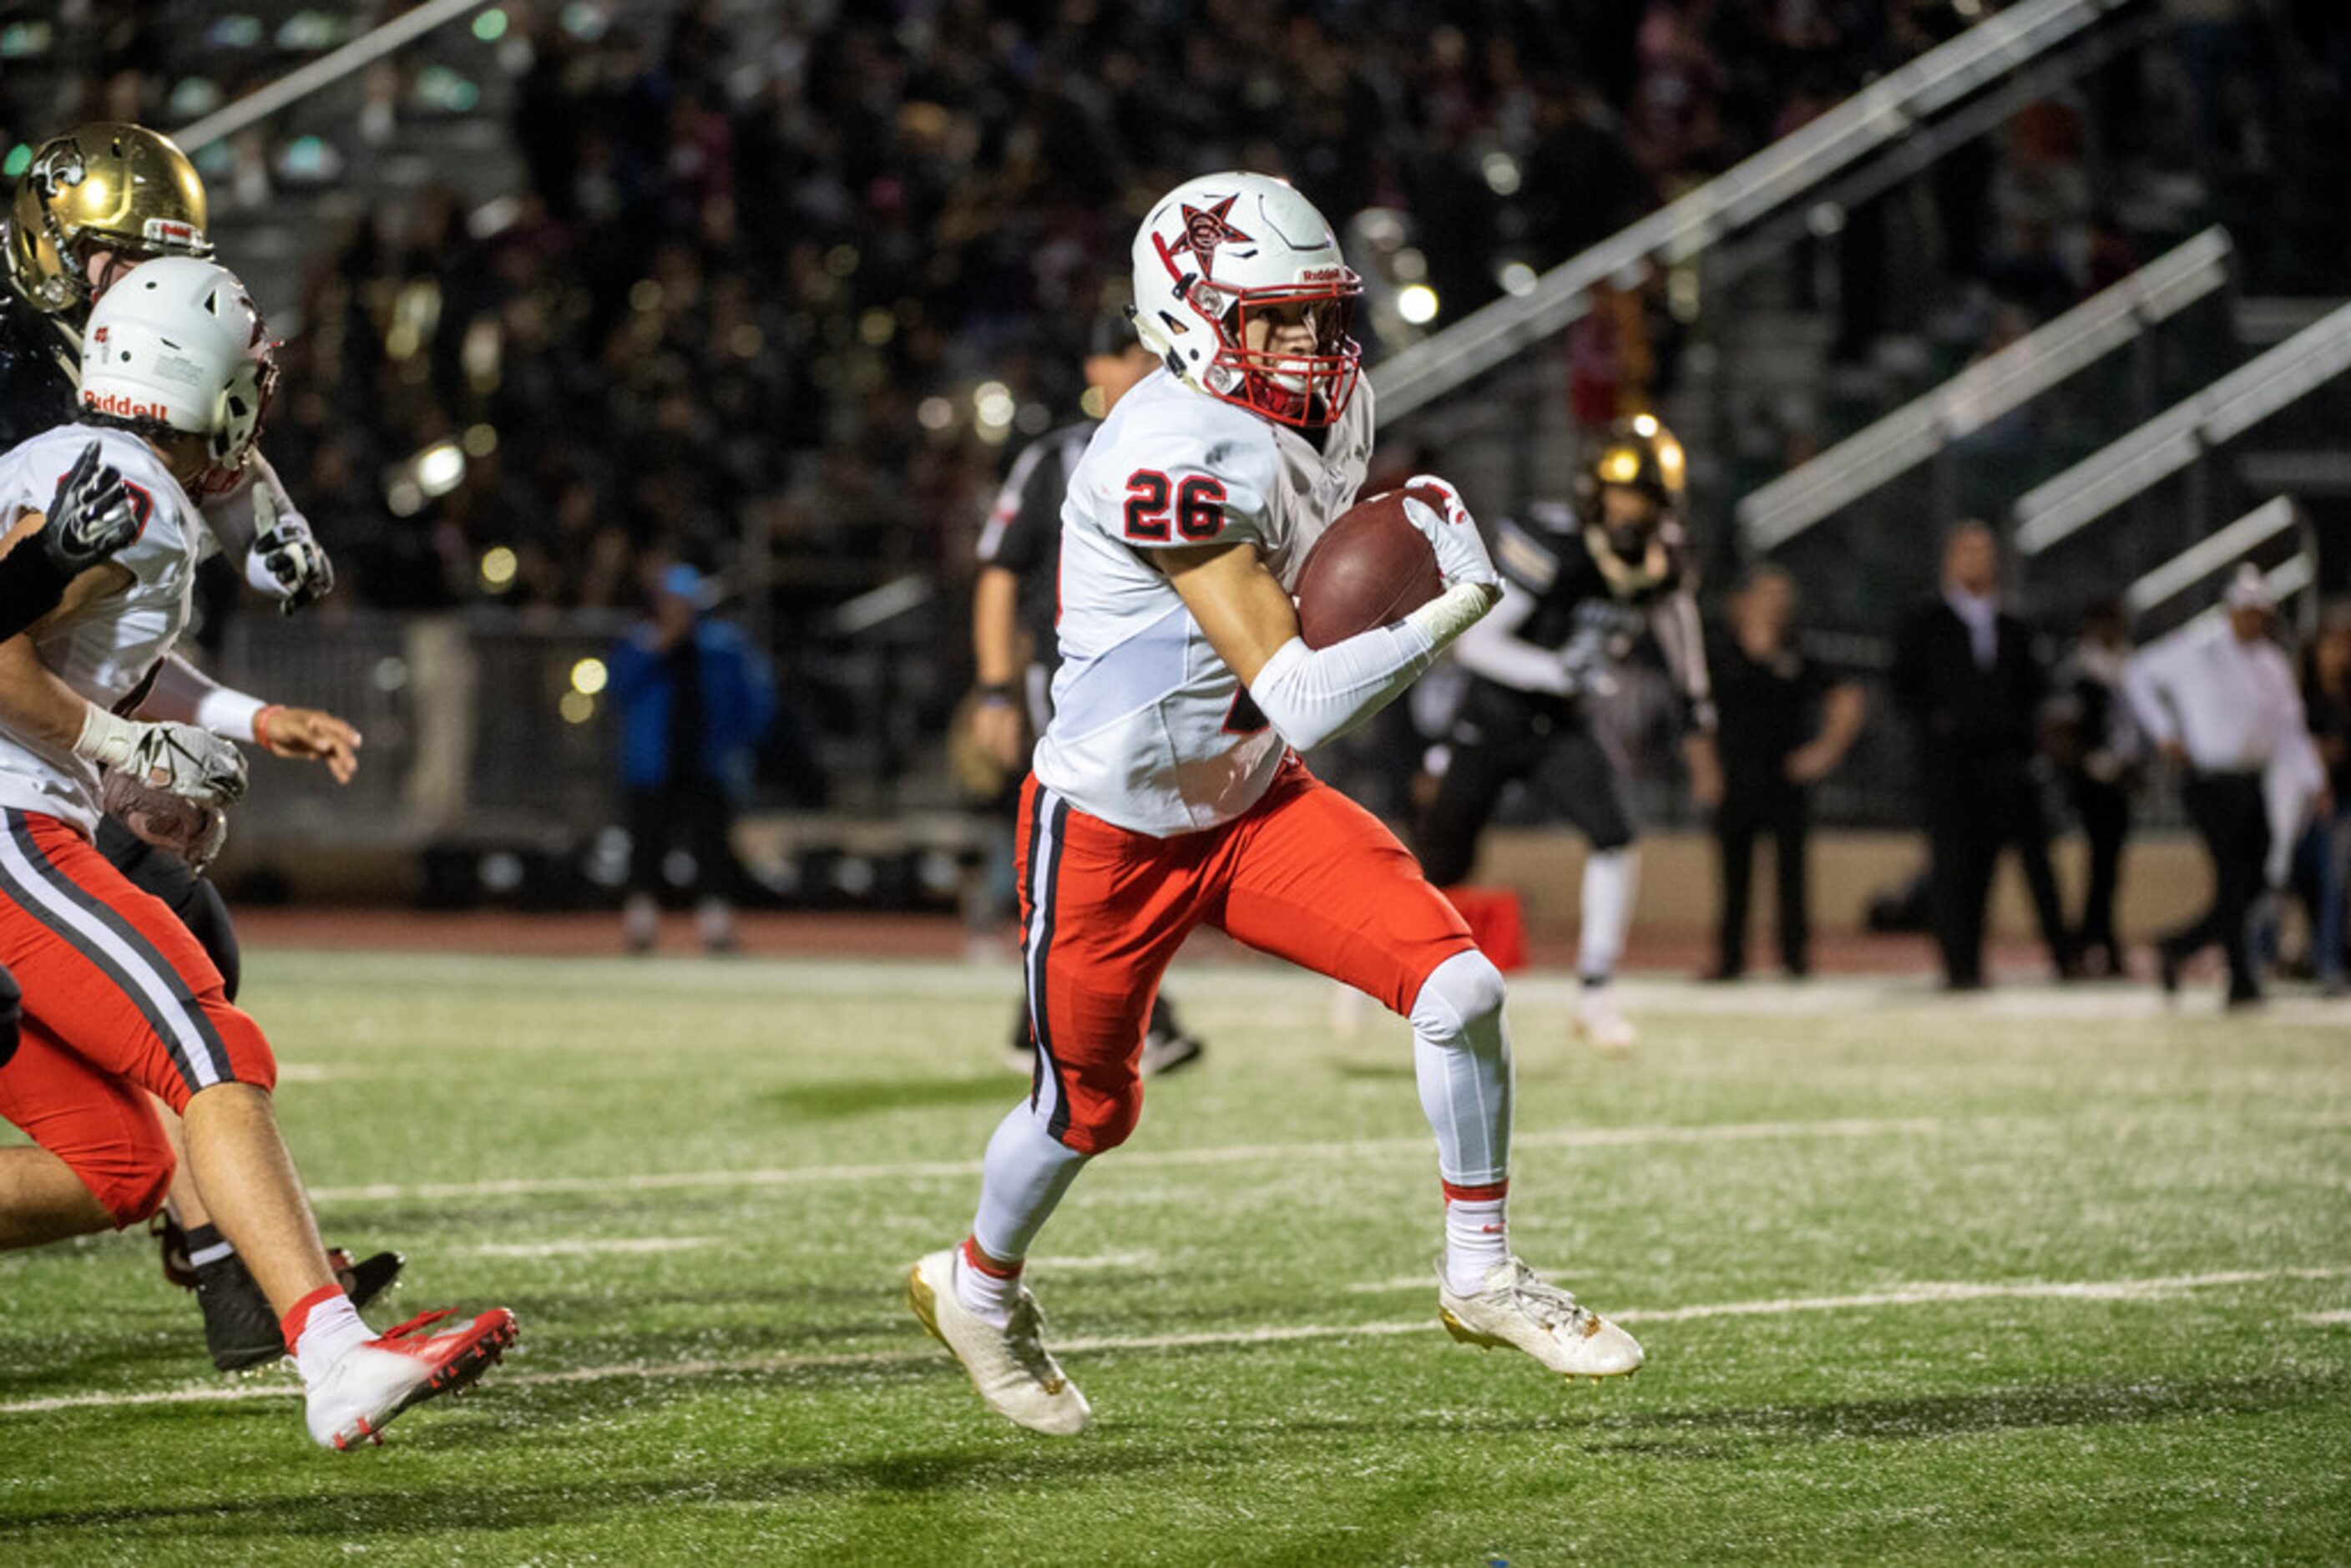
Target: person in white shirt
[2222,703]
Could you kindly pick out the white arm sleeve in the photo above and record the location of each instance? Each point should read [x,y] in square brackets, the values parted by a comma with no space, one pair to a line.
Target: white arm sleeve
[184,695]
[1493,649]
[235,520]
[1312,696]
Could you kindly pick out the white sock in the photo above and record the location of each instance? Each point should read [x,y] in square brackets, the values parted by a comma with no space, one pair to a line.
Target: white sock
[1611,877]
[989,1297]
[1477,1238]
[321,1328]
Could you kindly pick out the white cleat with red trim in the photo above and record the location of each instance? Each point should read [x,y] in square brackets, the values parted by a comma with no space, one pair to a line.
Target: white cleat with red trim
[1516,1310]
[1011,1366]
[1600,1021]
[372,1382]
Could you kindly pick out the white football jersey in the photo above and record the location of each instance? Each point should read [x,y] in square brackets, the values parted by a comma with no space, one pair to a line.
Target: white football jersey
[1151,730]
[108,650]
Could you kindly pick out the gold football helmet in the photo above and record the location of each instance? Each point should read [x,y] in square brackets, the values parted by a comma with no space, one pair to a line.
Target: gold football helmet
[103,187]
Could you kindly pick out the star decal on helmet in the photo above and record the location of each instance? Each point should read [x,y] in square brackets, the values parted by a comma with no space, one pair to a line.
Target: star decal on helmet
[1205,231]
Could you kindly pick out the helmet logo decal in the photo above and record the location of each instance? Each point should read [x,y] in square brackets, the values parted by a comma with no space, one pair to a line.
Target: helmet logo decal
[1205,231]
[59,168]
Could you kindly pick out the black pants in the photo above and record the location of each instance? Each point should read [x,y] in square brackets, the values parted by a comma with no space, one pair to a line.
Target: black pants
[698,815]
[1751,808]
[2227,810]
[1973,813]
[2105,809]
[1570,770]
[195,901]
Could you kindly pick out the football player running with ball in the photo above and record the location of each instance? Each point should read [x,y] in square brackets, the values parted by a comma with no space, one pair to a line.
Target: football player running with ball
[1168,794]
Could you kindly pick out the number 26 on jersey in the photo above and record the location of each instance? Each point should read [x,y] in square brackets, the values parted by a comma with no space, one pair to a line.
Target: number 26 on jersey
[1199,503]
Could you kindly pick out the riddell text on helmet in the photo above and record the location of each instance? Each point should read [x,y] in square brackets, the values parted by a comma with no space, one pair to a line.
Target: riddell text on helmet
[129,408]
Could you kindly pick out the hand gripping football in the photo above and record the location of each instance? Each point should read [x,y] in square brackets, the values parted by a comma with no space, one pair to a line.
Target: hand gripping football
[1371,565]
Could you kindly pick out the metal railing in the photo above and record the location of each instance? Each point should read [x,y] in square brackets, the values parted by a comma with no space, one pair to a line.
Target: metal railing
[2199,561]
[2175,438]
[1877,116]
[1989,390]
[324,71]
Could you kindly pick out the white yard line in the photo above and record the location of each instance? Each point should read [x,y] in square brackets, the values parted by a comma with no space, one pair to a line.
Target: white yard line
[1287,1155]
[589,1247]
[282,1386]
[2325,1320]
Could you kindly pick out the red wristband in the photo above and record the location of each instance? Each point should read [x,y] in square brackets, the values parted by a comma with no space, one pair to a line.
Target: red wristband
[261,722]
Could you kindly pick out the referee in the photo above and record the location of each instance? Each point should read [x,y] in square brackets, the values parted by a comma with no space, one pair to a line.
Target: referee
[2224,705]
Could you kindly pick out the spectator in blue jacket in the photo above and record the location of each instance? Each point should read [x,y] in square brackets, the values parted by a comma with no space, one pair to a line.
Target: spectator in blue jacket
[693,700]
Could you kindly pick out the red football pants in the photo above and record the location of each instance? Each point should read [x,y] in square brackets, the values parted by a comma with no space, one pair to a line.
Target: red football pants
[120,1000]
[1305,874]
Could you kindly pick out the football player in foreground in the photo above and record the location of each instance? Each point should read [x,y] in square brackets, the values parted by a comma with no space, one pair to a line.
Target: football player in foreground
[92,205]
[1590,581]
[1167,795]
[119,1001]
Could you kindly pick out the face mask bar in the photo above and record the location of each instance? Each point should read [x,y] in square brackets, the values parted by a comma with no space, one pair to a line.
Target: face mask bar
[1310,388]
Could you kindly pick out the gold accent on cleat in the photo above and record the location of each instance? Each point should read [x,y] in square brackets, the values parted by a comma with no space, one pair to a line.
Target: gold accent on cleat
[1466,1334]
[924,1304]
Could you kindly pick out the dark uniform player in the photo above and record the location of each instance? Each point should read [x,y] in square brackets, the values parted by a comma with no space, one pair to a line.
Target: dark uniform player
[1016,603]
[1590,582]
[92,205]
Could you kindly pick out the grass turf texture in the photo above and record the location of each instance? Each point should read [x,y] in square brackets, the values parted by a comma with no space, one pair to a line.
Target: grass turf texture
[722,1368]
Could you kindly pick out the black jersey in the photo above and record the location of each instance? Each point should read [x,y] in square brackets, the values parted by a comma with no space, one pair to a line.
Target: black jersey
[40,369]
[1575,613]
[1024,531]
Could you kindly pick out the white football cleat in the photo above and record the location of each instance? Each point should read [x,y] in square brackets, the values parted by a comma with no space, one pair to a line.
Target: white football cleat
[372,1382]
[1011,1366]
[1517,1310]
[1598,1019]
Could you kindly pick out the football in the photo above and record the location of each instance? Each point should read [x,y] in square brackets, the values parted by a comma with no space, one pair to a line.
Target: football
[1369,567]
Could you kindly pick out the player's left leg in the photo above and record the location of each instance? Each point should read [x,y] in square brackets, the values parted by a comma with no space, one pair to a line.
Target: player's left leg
[119,983]
[240,1329]
[1103,911]
[1316,879]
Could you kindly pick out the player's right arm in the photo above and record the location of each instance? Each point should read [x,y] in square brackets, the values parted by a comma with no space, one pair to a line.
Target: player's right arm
[35,701]
[995,660]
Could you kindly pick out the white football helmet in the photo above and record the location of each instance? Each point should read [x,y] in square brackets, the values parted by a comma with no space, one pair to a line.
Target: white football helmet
[1217,251]
[178,343]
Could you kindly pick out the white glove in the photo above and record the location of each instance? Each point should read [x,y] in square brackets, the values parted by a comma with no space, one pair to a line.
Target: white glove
[286,560]
[177,758]
[1461,555]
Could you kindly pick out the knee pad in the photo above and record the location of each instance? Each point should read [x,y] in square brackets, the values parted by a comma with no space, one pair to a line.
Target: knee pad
[1459,994]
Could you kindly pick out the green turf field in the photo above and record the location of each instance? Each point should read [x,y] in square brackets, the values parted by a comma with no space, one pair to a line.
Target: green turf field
[2044,1274]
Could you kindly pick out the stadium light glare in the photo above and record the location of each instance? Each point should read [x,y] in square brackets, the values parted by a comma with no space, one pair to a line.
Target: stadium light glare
[577,707]
[993,403]
[1417,304]
[1517,277]
[19,159]
[491,25]
[1501,172]
[440,468]
[934,414]
[589,677]
[498,566]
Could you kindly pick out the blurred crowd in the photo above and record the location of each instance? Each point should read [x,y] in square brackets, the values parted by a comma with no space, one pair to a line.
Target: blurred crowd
[779,289]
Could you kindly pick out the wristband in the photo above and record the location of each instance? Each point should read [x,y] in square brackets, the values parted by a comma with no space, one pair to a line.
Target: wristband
[261,721]
[107,738]
[996,692]
[230,714]
[1451,612]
